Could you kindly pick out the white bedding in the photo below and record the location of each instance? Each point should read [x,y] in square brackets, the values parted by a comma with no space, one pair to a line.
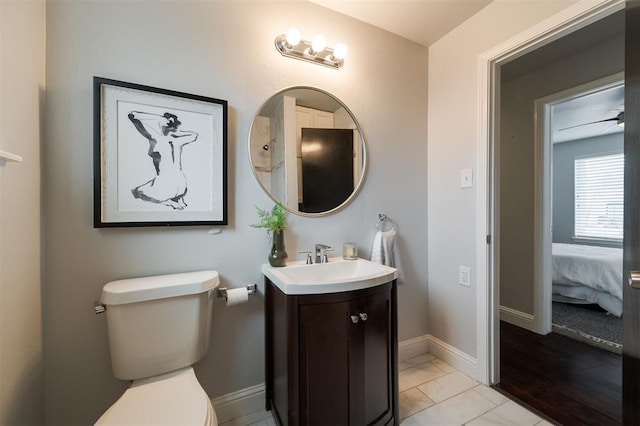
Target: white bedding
[599,269]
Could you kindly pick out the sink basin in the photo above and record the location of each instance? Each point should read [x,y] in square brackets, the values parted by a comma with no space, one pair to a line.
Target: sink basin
[335,276]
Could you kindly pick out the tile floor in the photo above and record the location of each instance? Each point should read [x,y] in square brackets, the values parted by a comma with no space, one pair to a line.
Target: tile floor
[434,393]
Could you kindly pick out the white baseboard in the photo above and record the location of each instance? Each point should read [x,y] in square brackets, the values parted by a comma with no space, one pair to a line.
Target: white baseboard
[453,356]
[239,403]
[517,318]
[429,344]
[411,348]
[252,399]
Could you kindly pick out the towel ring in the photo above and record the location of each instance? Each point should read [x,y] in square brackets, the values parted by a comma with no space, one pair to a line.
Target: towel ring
[382,219]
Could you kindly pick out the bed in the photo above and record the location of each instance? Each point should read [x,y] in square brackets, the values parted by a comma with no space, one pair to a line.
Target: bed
[588,274]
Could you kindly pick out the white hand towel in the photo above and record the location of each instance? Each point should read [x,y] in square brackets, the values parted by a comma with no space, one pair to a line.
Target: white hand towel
[377,251]
[385,251]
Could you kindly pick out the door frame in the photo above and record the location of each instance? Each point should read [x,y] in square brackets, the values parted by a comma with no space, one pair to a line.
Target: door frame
[543,194]
[569,20]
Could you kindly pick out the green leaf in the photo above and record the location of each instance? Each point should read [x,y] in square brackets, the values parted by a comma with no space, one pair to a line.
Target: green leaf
[273,220]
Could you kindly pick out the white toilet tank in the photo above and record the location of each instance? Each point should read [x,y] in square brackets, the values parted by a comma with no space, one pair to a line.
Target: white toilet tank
[158,324]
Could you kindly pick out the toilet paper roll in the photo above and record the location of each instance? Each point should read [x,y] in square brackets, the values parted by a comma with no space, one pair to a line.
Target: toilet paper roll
[236,296]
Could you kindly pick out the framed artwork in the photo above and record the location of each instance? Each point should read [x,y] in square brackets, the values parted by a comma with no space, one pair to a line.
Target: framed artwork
[160,157]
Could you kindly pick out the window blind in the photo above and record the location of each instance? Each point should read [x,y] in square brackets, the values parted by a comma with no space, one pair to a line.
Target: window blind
[599,197]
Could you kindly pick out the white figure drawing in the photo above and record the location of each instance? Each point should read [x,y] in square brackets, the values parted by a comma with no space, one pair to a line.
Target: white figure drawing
[165,149]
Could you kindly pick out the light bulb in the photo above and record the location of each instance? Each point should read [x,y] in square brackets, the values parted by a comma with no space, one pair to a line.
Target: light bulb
[340,52]
[293,36]
[318,43]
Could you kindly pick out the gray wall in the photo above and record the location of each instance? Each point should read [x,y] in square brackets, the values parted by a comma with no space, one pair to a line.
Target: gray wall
[516,158]
[563,190]
[22,76]
[224,50]
[454,109]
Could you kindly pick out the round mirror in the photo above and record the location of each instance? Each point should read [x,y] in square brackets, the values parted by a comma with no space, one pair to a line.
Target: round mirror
[307,151]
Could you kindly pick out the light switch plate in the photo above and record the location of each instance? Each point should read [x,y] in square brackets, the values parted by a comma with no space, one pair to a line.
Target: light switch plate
[466,178]
[464,273]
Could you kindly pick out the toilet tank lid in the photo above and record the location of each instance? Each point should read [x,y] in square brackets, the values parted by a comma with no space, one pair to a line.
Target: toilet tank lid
[158,287]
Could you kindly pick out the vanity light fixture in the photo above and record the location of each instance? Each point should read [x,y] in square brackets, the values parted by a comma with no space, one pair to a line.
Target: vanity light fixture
[292,45]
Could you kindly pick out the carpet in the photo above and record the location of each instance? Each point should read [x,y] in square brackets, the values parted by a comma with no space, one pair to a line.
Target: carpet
[588,324]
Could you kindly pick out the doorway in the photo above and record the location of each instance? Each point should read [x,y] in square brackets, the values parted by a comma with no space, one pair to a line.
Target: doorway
[581,375]
[579,233]
[490,166]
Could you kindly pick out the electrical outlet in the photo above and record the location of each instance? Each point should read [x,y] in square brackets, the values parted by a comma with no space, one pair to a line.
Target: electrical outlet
[464,276]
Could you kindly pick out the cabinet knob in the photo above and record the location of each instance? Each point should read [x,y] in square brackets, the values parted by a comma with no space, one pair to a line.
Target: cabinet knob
[363,316]
[355,319]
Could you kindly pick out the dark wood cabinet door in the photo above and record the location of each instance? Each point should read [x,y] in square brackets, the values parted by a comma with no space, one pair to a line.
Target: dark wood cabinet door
[348,363]
[370,364]
[331,359]
[377,359]
[324,363]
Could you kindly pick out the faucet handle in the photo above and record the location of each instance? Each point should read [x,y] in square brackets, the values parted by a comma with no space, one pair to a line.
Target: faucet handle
[309,258]
[325,258]
[321,253]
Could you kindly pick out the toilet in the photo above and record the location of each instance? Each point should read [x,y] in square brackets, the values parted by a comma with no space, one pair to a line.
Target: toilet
[158,328]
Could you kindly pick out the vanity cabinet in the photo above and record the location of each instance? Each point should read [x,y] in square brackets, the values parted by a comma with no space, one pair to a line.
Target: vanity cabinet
[331,359]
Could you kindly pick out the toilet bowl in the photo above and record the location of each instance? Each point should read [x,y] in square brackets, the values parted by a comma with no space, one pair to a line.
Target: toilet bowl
[158,328]
[174,398]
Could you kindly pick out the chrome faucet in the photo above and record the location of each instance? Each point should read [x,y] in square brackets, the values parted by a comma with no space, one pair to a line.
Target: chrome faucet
[321,253]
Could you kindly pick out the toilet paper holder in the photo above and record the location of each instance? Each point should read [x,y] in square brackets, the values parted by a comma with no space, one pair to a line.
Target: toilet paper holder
[251,288]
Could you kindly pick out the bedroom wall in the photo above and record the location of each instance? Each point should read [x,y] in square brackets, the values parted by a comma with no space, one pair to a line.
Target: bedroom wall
[564,155]
[517,156]
[199,47]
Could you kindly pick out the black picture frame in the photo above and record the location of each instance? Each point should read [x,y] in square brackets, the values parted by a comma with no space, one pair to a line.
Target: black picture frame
[160,157]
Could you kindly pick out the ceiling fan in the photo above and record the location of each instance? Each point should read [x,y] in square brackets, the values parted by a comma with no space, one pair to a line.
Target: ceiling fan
[618,119]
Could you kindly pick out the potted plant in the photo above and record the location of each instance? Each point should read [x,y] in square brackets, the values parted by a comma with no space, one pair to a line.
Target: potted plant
[274,222]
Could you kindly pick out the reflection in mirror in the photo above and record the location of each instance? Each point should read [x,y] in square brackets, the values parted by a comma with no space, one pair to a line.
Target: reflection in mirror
[307,151]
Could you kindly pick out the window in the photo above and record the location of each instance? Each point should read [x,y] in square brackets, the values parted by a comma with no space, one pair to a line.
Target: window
[599,195]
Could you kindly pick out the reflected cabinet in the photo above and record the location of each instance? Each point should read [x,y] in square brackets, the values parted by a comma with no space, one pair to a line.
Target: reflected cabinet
[332,359]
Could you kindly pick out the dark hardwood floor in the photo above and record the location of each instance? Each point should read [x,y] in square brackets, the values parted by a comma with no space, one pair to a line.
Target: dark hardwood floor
[570,382]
